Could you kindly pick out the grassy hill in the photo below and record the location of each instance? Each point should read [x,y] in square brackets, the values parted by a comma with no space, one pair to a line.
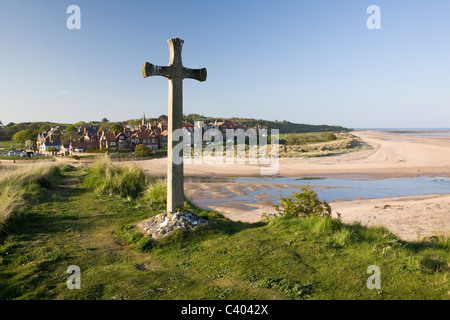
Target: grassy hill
[74,219]
[30,129]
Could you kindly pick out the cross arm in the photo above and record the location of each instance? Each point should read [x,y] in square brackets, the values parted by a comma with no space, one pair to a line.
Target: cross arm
[197,74]
[149,70]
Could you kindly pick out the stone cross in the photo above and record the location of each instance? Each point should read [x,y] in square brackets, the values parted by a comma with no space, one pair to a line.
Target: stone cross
[175,72]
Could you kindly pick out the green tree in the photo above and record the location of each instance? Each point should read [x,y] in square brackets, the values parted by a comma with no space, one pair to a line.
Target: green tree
[44,127]
[80,124]
[71,128]
[105,120]
[134,122]
[116,127]
[162,118]
[104,127]
[71,134]
[22,136]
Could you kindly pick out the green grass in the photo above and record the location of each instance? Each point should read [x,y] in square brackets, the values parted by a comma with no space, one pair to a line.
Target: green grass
[8,144]
[105,178]
[281,258]
[310,137]
[38,158]
[25,186]
[346,144]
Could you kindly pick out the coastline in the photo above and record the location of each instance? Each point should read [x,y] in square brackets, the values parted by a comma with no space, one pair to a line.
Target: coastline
[386,159]
[393,155]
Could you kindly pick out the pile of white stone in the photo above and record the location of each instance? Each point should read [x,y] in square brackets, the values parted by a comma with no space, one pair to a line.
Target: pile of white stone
[163,224]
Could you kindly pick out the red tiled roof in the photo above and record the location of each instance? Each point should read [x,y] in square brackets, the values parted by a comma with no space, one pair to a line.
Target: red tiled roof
[120,134]
[230,125]
[84,144]
[109,136]
[141,135]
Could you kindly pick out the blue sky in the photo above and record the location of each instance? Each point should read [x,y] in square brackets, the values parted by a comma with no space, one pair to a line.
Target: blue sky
[303,61]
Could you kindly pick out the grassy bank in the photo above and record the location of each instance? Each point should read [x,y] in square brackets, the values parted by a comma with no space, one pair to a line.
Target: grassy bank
[26,186]
[319,146]
[281,258]
[314,145]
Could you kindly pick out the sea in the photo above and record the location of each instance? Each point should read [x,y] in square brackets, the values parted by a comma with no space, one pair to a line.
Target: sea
[430,132]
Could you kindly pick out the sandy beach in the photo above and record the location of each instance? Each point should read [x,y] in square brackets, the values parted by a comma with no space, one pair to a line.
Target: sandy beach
[392,155]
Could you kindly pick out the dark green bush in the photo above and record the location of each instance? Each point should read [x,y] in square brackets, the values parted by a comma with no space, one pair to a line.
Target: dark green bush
[143,151]
[304,203]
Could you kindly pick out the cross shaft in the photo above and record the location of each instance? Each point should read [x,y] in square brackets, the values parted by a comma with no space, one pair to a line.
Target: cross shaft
[175,72]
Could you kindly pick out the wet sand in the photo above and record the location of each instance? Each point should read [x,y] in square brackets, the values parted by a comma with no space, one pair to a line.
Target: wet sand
[410,218]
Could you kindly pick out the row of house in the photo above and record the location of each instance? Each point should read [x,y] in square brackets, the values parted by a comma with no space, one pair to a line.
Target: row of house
[153,135]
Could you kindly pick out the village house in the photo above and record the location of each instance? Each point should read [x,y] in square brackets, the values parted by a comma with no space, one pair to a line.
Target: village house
[122,141]
[189,126]
[139,137]
[88,129]
[224,125]
[153,135]
[153,141]
[163,126]
[108,140]
[64,149]
[154,127]
[163,139]
[148,138]
[49,147]
[80,147]
[47,137]
[89,137]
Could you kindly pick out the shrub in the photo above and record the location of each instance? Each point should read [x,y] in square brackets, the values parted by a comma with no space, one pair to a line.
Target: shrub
[304,203]
[330,136]
[143,151]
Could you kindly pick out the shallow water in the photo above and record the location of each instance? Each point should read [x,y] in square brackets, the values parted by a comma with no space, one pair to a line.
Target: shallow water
[428,134]
[400,140]
[329,188]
